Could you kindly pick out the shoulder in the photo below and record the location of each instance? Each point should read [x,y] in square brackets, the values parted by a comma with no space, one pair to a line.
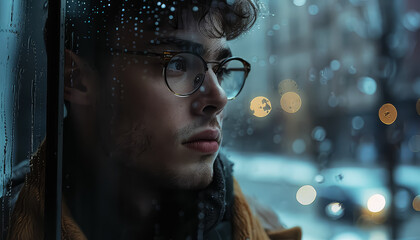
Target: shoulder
[13,185]
[16,181]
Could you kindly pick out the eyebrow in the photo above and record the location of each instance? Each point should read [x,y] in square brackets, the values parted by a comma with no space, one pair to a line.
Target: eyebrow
[187,45]
[183,44]
[223,53]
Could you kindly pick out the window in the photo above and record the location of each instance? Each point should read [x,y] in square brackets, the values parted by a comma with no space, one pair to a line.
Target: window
[123,142]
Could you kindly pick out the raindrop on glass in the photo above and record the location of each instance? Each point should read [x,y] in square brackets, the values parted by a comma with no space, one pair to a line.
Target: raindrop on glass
[334,210]
[357,123]
[313,9]
[319,178]
[335,65]
[333,101]
[366,85]
[299,146]
[277,138]
[276,27]
[411,21]
[318,134]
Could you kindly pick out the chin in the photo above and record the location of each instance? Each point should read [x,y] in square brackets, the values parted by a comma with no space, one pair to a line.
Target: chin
[195,177]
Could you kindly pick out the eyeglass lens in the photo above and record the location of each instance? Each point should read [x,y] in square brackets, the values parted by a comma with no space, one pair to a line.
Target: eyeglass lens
[185,73]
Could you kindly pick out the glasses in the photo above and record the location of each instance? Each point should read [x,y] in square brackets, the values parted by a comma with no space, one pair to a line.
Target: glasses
[185,72]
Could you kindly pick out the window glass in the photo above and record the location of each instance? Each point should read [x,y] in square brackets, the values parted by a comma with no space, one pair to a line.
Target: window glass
[325,132]
[22,96]
[320,101]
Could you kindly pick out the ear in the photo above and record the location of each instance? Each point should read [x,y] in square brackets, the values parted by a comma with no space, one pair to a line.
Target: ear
[79,80]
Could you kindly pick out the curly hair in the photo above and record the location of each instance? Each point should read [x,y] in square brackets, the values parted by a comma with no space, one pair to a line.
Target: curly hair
[88,21]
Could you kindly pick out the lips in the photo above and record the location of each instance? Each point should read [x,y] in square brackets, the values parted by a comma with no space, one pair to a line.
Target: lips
[205,142]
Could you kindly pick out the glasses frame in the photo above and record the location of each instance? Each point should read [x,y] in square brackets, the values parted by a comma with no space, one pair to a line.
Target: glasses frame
[167,55]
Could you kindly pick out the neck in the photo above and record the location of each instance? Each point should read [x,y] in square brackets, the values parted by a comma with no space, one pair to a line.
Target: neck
[113,197]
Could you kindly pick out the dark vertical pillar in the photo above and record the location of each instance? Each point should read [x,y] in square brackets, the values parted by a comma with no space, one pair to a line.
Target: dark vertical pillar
[54,140]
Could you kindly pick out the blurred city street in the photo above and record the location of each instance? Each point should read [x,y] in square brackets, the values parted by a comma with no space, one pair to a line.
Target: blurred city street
[274,181]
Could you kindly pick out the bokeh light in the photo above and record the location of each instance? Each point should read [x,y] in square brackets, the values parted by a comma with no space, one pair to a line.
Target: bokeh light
[418,106]
[288,85]
[357,123]
[335,65]
[334,210]
[313,9]
[347,236]
[319,178]
[376,203]
[416,203]
[411,21]
[378,235]
[290,102]
[367,85]
[414,143]
[319,134]
[260,106]
[306,195]
[299,3]
[299,146]
[387,114]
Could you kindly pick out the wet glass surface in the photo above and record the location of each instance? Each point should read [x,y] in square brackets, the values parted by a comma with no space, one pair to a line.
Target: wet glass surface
[22,96]
[351,135]
[324,131]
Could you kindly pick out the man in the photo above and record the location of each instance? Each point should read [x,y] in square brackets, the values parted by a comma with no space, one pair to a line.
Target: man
[146,83]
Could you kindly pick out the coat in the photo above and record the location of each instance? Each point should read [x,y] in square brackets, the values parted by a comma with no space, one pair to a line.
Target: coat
[27,217]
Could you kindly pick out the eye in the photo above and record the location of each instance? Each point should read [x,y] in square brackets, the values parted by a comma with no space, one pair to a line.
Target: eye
[222,73]
[177,64]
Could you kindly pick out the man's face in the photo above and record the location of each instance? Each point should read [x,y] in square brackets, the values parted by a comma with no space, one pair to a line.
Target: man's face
[174,140]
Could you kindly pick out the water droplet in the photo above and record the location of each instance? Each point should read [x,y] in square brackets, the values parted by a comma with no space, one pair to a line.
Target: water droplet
[250,131]
[299,146]
[357,123]
[335,65]
[318,133]
[277,138]
[333,101]
[366,85]
[276,27]
[313,9]
[334,210]
[352,70]
[319,178]
[411,21]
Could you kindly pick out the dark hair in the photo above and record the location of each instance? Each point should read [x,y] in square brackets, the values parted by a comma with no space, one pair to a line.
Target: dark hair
[88,21]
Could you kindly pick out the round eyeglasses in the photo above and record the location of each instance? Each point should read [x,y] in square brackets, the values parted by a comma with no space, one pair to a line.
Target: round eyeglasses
[185,72]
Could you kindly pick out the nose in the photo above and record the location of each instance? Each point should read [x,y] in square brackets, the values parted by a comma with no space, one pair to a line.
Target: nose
[210,99]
